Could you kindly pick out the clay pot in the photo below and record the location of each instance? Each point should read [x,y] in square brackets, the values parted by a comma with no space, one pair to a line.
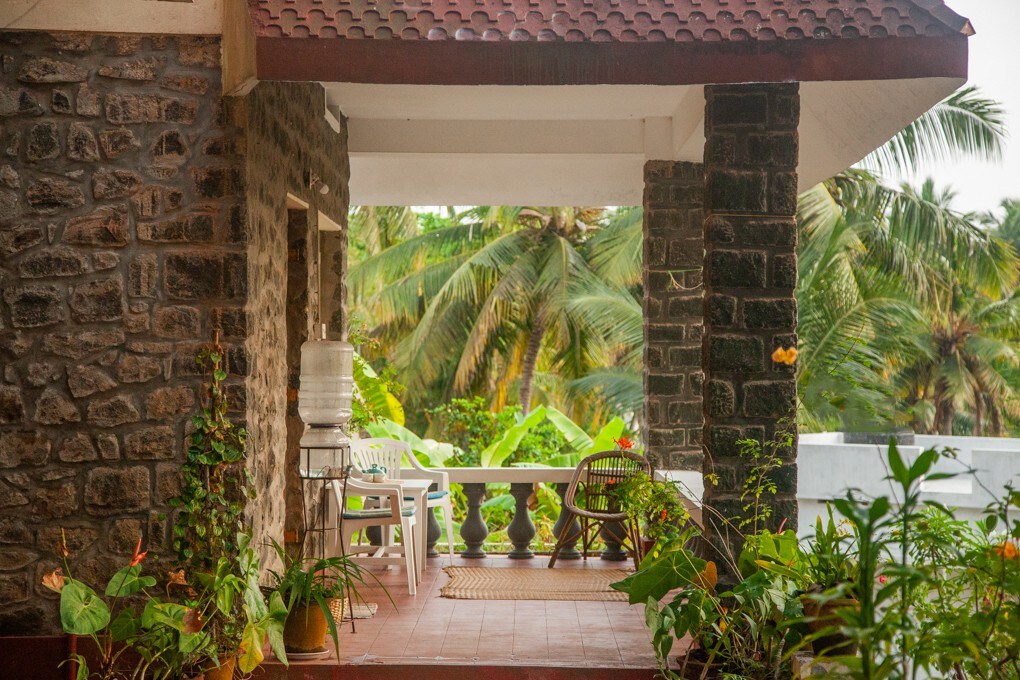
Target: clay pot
[225,671]
[693,668]
[822,616]
[305,629]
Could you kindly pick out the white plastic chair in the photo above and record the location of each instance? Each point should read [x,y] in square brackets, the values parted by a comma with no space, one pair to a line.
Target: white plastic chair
[394,511]
[391,454]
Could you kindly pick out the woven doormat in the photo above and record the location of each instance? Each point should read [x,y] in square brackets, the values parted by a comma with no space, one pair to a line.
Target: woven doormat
[362,610]
[488,583]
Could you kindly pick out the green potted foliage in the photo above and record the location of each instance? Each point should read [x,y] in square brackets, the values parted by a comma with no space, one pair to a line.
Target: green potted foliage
[209,535]
[307,587]
[826,571]
[134,633]
[659,504]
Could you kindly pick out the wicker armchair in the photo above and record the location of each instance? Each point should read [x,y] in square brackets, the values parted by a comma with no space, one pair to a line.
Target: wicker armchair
[591,499]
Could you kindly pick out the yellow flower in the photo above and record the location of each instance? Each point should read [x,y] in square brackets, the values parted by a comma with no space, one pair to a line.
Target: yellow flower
[786,356]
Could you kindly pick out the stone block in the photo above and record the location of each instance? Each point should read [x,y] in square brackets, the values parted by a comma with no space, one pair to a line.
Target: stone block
[16,101]
[232,322]
[77,448]
[721,399]
[12,406]
[170,148]
[737,109]
[42,142]
[87,101]
[200,51]
[60,102]
[664,385]
[217,182]
[123,535]
[50,196]
[684,358]
[193,276]
[782,193]
[736,354]
[193,228]
[736,191]
[117,142]
[772,149]
[104,227]
[21,448]
[133,69]
[683,412]
[720,310]
[108,446]
[46,70]
[185,82]
[129,109]
[116,490]
[53,408]
[177,322]
[112,412]
[736,269]
[34,306]
[101,300]
[134,368]
[80,344]
[81,143]
[84,381]
[780,314]
[169,401]
[13,530]
[54,262]
[107,184]
[143,274]
[784,271]
[153,443]
[168,482]
[770,399]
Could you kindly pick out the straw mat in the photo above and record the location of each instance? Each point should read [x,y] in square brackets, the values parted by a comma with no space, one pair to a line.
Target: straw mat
[488,583]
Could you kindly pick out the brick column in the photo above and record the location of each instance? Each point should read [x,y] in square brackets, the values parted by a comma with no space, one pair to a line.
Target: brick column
[673,256]
[751,153]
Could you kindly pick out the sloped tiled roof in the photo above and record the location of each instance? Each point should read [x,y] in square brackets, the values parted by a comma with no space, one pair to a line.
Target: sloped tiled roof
[603,20]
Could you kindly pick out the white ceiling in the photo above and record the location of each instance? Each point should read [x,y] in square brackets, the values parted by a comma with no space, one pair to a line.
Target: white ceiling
[580,145]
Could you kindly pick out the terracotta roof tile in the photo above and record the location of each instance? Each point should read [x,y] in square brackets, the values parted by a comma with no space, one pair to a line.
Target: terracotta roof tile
[603,20]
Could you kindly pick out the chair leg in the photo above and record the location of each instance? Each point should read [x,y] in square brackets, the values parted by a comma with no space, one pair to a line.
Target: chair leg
[562,538]
[448,517]
[407,541]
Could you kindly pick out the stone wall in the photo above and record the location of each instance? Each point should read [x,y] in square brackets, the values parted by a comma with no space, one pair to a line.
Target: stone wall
[138,212]
[750,279]
[674,251]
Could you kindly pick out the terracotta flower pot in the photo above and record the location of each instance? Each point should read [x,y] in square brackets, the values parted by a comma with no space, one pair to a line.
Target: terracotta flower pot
[305,630]
[225,671]
[822,616]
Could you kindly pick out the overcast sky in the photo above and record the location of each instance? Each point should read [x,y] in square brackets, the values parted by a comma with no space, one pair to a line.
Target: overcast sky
[995,68]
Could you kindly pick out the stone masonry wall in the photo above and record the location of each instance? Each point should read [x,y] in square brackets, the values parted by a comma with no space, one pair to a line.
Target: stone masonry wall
[138,212]
[673,256]
[750,275]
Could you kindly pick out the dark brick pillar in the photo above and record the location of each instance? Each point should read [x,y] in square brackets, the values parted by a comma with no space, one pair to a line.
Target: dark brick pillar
[750,276]
[673,255]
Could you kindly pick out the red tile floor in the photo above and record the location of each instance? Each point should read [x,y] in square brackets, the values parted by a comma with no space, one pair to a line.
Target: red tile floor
[430,630]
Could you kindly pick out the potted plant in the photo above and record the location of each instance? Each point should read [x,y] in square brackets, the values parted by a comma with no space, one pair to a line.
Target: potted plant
[826,571]
[135,634]
[215,560]
[307,586]
[658,503]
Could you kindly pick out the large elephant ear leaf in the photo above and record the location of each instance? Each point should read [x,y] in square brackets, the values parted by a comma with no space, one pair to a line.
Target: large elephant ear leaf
[82,612]
[128,581]
[249,653]
[274,626]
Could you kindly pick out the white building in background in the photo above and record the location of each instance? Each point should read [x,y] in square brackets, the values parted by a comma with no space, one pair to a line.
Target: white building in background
[828,466]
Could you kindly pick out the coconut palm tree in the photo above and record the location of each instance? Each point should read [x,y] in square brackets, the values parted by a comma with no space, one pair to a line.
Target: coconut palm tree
[489,302]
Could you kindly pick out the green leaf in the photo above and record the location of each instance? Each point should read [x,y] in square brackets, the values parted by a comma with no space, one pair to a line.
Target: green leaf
[497,452]
[899,470]
[128,581]
[675,567]
[249,653]
[82,611]
[274,626]
[124,626]
[577,438]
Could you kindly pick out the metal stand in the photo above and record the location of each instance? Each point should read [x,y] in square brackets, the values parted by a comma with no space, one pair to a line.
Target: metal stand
[322,465]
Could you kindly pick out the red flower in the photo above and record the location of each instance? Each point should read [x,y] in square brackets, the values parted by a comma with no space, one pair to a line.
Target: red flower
[882,579]
[663,516]
[624,442]
[139,555]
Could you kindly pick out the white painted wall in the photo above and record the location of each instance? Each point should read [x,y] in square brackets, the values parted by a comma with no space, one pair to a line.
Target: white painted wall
[198,17]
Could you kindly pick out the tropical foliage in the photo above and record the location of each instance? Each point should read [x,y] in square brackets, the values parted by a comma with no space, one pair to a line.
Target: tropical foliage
[908,309]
